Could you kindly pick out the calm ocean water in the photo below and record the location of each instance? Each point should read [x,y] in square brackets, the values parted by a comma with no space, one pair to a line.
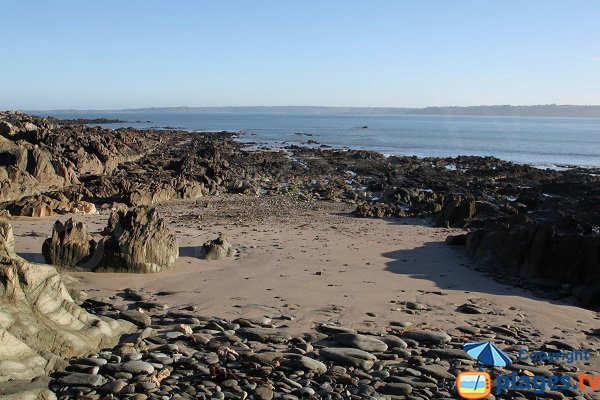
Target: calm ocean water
[544,142]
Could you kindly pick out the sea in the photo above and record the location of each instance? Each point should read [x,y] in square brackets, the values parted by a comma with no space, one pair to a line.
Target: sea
[543,142]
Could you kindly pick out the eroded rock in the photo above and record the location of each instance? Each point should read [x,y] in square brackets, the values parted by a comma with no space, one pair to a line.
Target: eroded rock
[137,240]
[39,322]
[217,249]
[70,245]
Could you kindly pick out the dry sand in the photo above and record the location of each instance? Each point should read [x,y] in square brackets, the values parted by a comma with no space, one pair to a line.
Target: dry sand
[315,263]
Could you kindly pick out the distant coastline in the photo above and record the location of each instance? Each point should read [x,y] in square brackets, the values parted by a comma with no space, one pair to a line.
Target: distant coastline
[545,110]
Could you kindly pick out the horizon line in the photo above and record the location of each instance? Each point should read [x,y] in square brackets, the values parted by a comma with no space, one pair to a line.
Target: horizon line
[309,106]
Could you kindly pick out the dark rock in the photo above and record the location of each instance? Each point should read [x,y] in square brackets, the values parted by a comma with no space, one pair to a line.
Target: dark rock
[361,342]
[457,212]
[396,389]
[264,335]
[349,356]
[70,245]
[427,337]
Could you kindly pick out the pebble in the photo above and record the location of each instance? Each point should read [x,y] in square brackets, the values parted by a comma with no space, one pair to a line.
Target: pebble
[349,356]
[251,359]
[140,319]
[137,367]
[361,342]
[428,337]
[80,379]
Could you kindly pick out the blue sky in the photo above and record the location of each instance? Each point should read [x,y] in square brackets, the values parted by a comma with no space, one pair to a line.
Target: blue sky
[121,54]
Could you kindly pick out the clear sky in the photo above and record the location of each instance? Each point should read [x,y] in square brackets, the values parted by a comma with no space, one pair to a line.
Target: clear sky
[129,53]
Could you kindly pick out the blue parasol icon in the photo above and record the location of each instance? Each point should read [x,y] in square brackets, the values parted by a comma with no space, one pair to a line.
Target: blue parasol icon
[487,354]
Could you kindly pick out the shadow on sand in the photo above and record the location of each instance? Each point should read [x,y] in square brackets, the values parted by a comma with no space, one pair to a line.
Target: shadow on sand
[191,251]
[33,257]
[449,269]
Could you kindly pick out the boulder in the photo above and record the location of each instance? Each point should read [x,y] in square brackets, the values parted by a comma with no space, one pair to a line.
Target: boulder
[535,251]
[217,249]
[40,324]
[457,212]
[48,205]
[71,245]
[137,240]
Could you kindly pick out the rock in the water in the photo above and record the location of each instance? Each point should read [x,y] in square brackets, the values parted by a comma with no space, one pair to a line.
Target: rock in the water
[218,249]
[71,245]
[138,240]
[39,322]
[349,356]
[361,342]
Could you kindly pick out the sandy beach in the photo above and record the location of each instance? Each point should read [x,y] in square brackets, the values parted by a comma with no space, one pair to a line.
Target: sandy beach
[307,263]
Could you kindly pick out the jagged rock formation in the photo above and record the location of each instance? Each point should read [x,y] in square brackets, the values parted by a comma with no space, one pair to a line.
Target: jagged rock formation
[558,255]
[36,156]
[457,212]
[40,325]
[70,245]
[44,205]
[217,249]
[137,240]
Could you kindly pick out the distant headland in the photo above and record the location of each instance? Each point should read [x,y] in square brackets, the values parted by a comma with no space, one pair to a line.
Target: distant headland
[543,110]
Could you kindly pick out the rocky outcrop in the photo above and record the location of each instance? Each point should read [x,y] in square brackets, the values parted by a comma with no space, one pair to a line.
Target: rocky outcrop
[159,192]
[457,212]
[45,205]
[378,210]
[71,245]
[217,249]
[536,252]
[137,240]
[36,155]
[40,325]
[27,169]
